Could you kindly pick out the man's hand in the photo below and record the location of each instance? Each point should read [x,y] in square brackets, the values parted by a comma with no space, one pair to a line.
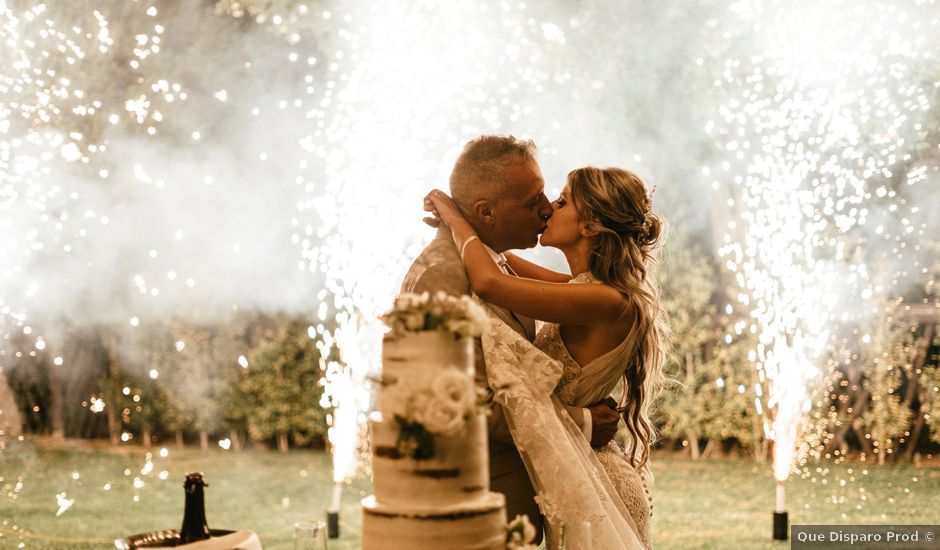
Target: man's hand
[604,420]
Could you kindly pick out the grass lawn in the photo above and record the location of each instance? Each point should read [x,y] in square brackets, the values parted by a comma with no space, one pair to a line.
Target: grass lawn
[729,503]
[710,504]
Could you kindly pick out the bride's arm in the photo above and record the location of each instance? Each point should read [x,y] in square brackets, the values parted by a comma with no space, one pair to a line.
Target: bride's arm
[561,303]
[553,302]
[530,270]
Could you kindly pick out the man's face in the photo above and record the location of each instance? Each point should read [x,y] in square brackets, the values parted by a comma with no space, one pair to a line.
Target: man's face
[520,214]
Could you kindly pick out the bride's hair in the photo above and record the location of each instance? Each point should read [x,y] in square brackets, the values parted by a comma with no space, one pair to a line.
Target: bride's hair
[616,204]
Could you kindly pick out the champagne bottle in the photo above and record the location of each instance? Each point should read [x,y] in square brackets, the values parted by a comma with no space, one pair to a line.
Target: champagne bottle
[194,515]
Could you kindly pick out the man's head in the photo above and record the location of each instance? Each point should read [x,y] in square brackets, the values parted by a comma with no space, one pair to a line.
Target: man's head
[498,186]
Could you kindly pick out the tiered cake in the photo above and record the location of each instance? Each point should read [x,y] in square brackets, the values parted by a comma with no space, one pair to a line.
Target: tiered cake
[429,451]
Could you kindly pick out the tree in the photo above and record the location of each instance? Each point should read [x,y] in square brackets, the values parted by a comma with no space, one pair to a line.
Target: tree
[281,386]
[729,398]
[26,372]
[929,392]
[147,409]
[11,425]
[112,382]
[927,364]
[687,280]
[196,384]
[888,354]
[239,338]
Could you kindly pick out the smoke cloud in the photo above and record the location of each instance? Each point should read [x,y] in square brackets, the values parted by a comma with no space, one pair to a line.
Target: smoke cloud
[188,159]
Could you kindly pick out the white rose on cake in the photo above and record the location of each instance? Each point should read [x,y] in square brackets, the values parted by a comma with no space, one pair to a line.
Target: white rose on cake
[423,312]
[414,321]
[440,416]
[456,387]
[410,302]
[520,533]
[462,327]
[437,305]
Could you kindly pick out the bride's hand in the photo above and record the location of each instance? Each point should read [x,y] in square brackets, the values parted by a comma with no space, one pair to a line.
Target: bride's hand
[443,207]
[434,220]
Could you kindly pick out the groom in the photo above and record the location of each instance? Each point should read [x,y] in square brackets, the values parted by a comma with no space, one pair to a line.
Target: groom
[498,186]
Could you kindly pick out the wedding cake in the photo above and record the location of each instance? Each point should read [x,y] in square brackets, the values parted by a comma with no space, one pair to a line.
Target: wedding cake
[429,446]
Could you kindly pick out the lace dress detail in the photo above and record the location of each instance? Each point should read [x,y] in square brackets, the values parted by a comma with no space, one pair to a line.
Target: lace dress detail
[549,341]
[633,487]
[581,385]
[572,484]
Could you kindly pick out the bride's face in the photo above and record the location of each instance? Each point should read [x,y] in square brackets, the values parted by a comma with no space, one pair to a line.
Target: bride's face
[563,227]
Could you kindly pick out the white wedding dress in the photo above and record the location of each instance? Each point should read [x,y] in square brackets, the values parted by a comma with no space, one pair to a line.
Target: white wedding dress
[597,497]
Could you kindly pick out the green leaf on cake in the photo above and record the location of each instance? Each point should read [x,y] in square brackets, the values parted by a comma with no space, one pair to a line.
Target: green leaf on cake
[414,440]
[432,322]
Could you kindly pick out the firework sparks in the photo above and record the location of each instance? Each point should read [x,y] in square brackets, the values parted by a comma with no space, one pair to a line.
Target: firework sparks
[382,102]
[396,79]
[817,128]
[63,503]
[120,185]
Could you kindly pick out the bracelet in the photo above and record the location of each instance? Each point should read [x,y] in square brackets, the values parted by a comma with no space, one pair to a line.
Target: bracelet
[463,248]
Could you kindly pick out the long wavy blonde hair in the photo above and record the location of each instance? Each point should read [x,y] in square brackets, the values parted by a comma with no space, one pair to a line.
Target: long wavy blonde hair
[616,204]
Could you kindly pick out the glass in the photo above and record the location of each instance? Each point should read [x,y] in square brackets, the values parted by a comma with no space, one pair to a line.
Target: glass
[576,537]
[310,535]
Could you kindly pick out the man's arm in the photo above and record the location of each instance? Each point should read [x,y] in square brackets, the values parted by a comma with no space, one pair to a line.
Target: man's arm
[605,420]
[439,277]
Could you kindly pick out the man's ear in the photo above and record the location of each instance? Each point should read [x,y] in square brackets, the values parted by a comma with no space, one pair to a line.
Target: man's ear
[484,211]
[587,230]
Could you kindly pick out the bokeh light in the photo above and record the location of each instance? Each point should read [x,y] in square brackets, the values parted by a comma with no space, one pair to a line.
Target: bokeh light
[164,161]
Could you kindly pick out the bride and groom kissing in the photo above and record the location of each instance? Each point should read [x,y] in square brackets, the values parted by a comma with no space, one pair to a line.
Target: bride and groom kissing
[551,428]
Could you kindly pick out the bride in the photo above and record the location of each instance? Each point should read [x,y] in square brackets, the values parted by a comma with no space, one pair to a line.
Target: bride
[601,326]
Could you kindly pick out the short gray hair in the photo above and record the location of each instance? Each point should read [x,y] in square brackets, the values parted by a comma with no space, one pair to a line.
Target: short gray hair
[479,170]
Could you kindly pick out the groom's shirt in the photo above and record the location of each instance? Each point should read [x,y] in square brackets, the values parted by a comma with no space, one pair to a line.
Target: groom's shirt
[527,324]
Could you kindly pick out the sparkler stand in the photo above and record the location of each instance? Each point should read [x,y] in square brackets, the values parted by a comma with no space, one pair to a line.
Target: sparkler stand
[332,513]
[781,518]
[781,525]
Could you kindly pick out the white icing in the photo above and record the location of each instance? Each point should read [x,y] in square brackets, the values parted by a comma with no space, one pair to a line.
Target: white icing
[477,525]
[459,469]
[443,500]
[414,352]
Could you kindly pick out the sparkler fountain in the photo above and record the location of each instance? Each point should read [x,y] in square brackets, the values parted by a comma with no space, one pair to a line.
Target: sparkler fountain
[344,433]
[111,148]
[407,64]
[342,436]
[383,106]
[795,120]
